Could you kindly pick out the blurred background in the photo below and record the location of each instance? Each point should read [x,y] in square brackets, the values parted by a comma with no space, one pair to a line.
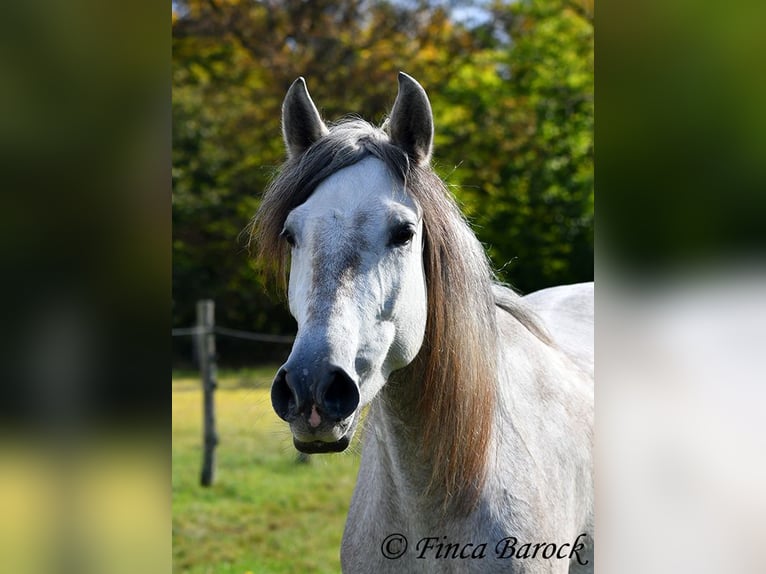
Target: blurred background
[85,250]
[511,85]
[681,286]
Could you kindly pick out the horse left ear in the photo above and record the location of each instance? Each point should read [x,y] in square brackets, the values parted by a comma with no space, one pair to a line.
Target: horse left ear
[411,124]
[301,123]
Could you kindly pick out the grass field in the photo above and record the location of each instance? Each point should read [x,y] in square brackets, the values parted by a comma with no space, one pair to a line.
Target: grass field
[266,513]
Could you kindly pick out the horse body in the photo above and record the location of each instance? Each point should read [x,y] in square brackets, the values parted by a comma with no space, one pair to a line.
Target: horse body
[478,439]
[540,484]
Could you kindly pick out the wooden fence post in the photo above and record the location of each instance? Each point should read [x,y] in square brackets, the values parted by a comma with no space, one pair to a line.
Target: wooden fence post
[206,350]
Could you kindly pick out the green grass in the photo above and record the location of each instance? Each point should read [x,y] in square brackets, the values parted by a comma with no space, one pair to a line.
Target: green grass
[265,513]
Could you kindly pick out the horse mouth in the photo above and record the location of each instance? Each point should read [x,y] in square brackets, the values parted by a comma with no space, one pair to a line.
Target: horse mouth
[318,446]
[345,429]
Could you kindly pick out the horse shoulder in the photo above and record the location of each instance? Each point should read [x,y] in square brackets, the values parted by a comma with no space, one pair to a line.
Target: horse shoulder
[545,459]
[567,312]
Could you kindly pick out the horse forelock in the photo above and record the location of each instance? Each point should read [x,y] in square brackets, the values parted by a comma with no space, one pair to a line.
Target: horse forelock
[348,143]
[455,368]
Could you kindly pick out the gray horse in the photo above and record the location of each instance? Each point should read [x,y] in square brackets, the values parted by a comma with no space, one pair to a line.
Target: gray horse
[477,453]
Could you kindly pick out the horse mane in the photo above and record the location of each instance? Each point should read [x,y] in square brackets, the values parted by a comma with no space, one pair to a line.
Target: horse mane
[455,370]
[456,367]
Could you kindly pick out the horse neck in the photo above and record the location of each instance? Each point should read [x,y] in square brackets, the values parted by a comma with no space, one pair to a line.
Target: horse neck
[403,469]
[403,473]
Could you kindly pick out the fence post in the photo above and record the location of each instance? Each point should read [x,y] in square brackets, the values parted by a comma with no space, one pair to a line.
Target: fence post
[206,349]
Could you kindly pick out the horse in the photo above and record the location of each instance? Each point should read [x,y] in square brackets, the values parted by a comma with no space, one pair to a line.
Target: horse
[477,442]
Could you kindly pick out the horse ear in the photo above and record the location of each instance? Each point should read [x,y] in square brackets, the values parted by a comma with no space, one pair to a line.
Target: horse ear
[411,124]
[301,124]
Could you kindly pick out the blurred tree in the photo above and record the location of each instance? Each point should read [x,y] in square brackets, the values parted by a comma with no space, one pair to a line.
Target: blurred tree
[513,105]
[517,122]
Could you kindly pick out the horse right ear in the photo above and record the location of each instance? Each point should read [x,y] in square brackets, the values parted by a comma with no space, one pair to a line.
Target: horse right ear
[301,123]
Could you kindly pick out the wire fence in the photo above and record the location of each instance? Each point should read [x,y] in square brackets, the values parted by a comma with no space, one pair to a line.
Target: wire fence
[204,334]
[236,333]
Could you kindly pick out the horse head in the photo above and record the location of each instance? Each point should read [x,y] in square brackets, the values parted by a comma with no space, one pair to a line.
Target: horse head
[357,286]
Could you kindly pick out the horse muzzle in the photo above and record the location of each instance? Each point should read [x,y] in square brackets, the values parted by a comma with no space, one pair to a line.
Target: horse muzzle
[320,405]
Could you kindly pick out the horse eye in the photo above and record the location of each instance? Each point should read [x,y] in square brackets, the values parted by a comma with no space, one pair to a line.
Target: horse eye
[288,236]
[401,235]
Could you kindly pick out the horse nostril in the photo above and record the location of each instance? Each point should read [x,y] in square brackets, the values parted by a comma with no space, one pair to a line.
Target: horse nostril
[282,396]
[340,396]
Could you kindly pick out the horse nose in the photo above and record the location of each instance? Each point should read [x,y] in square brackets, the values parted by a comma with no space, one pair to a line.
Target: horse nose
[284,399]
[337,394]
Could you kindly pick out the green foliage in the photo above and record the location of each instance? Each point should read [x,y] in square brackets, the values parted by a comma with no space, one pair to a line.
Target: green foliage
[513,105]
[517,120]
